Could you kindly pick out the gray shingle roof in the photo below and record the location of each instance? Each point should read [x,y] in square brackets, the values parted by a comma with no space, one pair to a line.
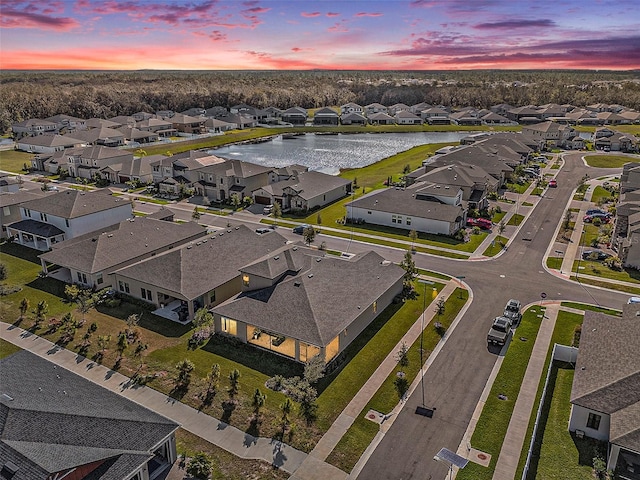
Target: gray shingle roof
[224,253]
[52,419]
[108,248]
[607,375]
[37,228]
[311,184]
[73,203]
[321,301]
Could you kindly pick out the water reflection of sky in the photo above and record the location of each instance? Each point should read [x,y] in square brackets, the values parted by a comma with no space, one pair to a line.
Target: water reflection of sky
[330,153]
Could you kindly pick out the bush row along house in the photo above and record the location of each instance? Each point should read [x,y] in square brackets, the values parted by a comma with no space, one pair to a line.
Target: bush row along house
[625,239]
[437,197]
[605,395]
[144,127]
[56,424]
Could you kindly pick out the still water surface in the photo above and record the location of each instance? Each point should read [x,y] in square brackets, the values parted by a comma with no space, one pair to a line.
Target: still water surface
[330,153]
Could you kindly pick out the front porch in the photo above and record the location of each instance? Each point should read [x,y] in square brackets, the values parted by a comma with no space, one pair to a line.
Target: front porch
[33,234]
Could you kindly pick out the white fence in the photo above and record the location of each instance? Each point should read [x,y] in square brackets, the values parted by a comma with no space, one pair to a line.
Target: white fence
[562,353]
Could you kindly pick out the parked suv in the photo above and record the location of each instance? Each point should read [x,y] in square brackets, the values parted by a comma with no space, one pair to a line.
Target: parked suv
[512,311]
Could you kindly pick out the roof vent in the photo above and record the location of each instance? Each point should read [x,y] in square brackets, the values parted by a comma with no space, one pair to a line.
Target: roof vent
[229,231]
[318,259]
[189,246]
[198,243]
[294,248]
[110,235]
[7,397]
[446,187]
[205,240]
[221,233]
[277,257]
[237,228]
[310,275]
[296,284]
[10,467]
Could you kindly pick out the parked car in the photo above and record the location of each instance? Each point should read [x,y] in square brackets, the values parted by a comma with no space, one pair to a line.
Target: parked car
[553,183]
[590,218]
[267,210]
[484,223]
[595,255]
[593,211]
[263,230]
[633,300]
[512,311]
[299,229]
[530,172]
[499,332]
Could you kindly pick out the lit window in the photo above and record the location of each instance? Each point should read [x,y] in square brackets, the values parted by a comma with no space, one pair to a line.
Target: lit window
[229,326]
[245,280]
[375,307]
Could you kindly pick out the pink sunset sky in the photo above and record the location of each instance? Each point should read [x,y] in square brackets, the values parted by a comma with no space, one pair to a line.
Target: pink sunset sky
[319,34]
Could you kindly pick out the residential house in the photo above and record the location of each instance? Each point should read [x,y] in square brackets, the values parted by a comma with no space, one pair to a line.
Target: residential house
[201,273]
[552,133]
[10,202]
[215,125]
[381,118]
[67,123]
[103,136]
[65,215]
[295,116]
[373,108]
[136,135]
[34,127]
[475,183]
[304,191]
[188,124]
[326,116]
[47,143]
[419,107]
[9,183]
[466,117]
[142,116]
[435,116]
[156,125]
[101,123]
[86,162]
[351,108]
[605,395]
[56,424]
[131,169]
[631,115]
[299,304]
[123,121]
[405,117]
[398,107]
[495,119]
[523,114]
[617,142]
[273,115]
[89,259]
[161,168]
[424,207]
[195,112]
[221,179]
[610,118]
[353,119]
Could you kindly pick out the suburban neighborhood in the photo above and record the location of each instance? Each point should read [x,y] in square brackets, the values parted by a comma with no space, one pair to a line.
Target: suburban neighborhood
[292,318]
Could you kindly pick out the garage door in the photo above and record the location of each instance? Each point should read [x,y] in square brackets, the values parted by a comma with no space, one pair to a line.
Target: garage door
[263,200]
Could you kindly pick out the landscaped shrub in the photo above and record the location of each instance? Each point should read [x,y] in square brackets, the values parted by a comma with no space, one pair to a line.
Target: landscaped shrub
[200,465]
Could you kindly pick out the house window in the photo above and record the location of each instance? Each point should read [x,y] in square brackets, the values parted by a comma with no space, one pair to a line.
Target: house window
[594,421]
[201,176]
[99,279]
[126,287]
[245,280]
[408,220]
[6,211]
[43,217]
[369,213]
[221,181]
[27,212]
[144,293]
[66,222]
[79,276]
[212,297]
[120,286]
[229,326]
[375,307]
[84,278]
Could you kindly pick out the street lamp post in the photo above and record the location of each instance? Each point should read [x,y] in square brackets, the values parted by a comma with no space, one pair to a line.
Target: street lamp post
[424,307]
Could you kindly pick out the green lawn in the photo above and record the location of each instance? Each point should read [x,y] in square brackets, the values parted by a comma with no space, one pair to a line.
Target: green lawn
[7,348]
[593,308]
[353,444]
[498,216]
[515,219]
[600,193]
[600,270]
[607,161]
[496,414]
[610,285]
[13,160]
[554,262]
[497,245]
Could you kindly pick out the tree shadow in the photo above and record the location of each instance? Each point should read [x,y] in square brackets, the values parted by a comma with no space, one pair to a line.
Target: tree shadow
[254,427]
[228,408]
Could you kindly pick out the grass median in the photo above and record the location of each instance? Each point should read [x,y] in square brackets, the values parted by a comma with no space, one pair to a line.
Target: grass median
[353,444]
[496,414]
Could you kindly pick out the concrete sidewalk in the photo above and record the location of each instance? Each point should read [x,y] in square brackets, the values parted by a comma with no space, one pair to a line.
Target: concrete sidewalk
[507,463]
[211,429]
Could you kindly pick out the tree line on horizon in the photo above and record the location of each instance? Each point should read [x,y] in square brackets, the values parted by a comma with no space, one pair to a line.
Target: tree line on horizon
[85,94]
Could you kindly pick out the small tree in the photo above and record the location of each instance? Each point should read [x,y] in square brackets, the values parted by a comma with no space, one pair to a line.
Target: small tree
[276,212]
[440,306]
[402,386]
[184,367]
[406,169]
[202,318]
[501,227]
[138,351]
[235,200]
[122,345]
[309,234]
[566,223]
[286,408]
[71,292]
[247,201]
[24,306]
[42,308]
[410,269]
[3,272]
[196,214]
[413,235]
[200,466]
[319,219]
[234,383]
[402,357]
[213,379]
[85,302]
[259,399]
[314,369]
[103,343]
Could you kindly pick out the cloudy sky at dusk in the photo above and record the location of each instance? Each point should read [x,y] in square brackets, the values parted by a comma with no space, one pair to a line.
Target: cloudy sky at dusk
[319,34]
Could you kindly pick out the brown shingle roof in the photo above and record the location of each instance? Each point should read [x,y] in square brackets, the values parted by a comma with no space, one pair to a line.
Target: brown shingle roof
[73,203]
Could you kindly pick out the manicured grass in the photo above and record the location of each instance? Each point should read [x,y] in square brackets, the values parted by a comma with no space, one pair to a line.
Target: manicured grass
[593,308]
[7,348]
[554,262]
[518,188]
[589,233]
[610,285]
[353,444]
[434,274]
[157,201]
[515,219]
[496,414]
[226,465]
[527,204]
[498,245]
[13,160]
[600,193]
[608,161]
[600,270]
[498,216]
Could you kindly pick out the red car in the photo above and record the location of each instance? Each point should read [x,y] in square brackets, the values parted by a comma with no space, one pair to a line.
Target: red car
[479,222]
[553,184]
